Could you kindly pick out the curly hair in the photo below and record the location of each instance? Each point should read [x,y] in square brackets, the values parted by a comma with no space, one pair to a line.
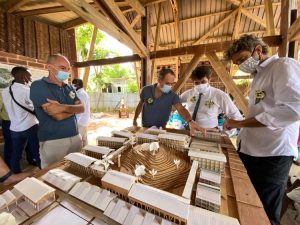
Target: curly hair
[246,42]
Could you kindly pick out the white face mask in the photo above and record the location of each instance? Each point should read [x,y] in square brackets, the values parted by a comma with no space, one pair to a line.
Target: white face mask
[166,88]
[202,87]
[249,65]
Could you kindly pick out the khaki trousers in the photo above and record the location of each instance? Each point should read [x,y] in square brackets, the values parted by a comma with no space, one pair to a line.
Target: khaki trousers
[53,151]
[83,133]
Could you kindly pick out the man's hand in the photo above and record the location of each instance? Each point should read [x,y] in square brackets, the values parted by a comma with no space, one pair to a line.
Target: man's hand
[194,126]
[52,107]
[231,124]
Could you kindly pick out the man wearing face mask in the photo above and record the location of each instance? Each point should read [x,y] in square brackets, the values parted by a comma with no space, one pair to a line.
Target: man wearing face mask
[156,102]
[267,142]
[23,122]
[82,118]
[56,103]
[205,103]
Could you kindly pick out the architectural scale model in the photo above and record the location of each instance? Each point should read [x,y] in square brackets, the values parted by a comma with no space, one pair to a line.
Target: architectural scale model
[122,134]
[209,160]
[35,191]
[6,199]
[146,138]
[208,197]
[155,131]
[198,144]
[176,141]
[210,178]
[96,151]
[61,179]
[188,189]
[111,142]
[212,136]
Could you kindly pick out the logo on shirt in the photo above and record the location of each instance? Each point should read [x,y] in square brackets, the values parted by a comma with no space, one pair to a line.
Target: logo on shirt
[259,95]
[149,101]
[209,103]
[193,99]
[72,94]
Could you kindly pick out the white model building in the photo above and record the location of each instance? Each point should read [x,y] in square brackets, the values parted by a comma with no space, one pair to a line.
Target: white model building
[174,207]
[35,190]
[176,141]
[111,142]
[122,134]
[61,179]
[188,189]
[118,182]
[96,151]
[155,131]
[210,178]
[208,160]
[146,138]
[208,197]
[6,199]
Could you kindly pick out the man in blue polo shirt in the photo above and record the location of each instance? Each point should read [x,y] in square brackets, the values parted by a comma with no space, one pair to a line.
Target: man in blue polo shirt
[56,104]
[156,103]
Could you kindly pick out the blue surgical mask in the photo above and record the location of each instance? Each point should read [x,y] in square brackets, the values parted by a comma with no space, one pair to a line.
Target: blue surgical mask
[166,88]
[62,75]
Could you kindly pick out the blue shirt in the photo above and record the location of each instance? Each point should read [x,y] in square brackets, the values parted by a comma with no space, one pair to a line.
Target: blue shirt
[156,111]
[49,128]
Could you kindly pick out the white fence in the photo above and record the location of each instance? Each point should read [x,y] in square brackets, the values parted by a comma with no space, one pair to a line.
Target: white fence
[109,101]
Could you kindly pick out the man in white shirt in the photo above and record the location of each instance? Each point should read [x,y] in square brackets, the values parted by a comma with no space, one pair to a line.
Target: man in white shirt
[205,103]
[82,118]
[267,143]
[24,124]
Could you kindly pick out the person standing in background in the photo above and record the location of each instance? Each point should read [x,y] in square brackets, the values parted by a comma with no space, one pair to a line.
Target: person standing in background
[82,118]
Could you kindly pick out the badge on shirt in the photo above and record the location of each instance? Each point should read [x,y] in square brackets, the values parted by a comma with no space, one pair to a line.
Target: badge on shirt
[192,99]
[72,94]
[259,95]
[149,101]
[209,103]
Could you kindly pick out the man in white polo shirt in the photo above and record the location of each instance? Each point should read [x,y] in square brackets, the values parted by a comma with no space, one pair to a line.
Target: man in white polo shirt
[267,142]
[205,102]
[24,124]
[82,118]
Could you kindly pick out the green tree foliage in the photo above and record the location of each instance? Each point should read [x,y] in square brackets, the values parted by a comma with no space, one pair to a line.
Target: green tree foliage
[132,87]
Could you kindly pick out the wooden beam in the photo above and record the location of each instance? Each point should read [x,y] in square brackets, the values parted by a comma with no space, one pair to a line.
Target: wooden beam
[157,39]
[136,19]
[137,6]
[236,28]
[72,23]
[151,2]
[16,5]
[89,57]
[41,11]
[221,23]
[293,32]
[293,45]
[234,2]
[187,73]
[138,81]
[90,14]
[269,17]
[125,24]
[284,25]
[255,18]
[174,6]
[109,61]
[221,71]
[203,48]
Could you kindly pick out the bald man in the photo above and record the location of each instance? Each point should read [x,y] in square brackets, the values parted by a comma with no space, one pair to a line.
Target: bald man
[56,104]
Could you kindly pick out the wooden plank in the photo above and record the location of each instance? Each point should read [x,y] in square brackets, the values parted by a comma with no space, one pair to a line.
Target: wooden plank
[42,40]
[284,25]
[249,214]
[237,166]
[151,2]
[234,2]
[229,187]
[16,5]
[216,27]
[156,41]
[293,45]
[221,71]
[126,25]
[236,28]
[90,14]
[269,17]
[73,53]
[187,73]
[15,34]
[40,11]
[136,19]
[174,6]
[54,40]
[293,32]
[137,6]
[204,48]
[253,17]
[232,208]
[239,174]
[109,61]
[245,192]
[73,23]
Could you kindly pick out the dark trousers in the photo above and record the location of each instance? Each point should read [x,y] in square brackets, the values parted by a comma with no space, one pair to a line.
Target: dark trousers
[19,141]
[269,177]
[7,141]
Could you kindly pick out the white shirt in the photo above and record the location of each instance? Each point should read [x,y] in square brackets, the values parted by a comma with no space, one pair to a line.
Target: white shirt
[83,118]
[20,119]
[212,103]
[279,110]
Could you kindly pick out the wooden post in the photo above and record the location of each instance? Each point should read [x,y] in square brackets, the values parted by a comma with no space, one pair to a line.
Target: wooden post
[270,21]
[156,41]
[146,62]
[284,25]
[73,57]
[221,71]
[187,73]
[293,46]
[89,57]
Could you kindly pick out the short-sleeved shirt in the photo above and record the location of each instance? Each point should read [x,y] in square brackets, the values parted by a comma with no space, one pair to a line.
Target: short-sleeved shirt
[156,111]
[49,128]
